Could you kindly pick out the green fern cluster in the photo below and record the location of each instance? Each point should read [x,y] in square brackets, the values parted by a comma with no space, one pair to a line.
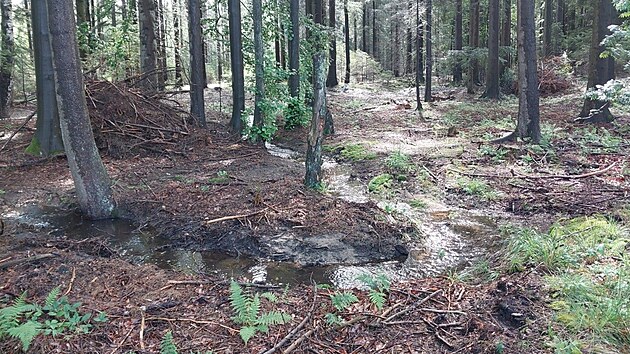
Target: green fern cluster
[247,312]
[24,321]
[379,287]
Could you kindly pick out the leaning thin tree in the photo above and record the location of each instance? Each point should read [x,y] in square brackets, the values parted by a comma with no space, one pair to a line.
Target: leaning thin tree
[91,182]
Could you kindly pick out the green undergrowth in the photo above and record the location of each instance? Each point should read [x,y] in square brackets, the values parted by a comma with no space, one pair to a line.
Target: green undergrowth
[380,183]
[477,187]
[351,152]
[588,276]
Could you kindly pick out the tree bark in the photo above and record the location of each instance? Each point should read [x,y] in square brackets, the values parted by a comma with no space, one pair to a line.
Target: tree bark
[374,32]
[163,72]
[347,34]
[332,79]
[409,67]
[83,23]
[259,66]
[91,182]
[473,43]
[313,176]
[492,70]
[178,43]
[197,81]
[418,56]
[459,41]
[7,58]
[528,125]
[47,140]
[294,49]
[506,36]
[548,29]
[600,70]
[236,59]
[429,47]
[148,45]
[28,30]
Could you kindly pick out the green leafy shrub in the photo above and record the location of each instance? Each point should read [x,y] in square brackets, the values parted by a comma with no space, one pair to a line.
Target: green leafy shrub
[296,114]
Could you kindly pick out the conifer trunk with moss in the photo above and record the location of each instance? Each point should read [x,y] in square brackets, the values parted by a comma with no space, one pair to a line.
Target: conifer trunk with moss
[91,181]
[313,177]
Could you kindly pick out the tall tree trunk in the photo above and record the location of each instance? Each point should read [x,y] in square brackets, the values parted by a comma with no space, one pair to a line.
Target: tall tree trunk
[418,56]
[148,45]
[429,59]
[506,36]
[294,49]
[113,14]
[599,69]
[332,79]
[259,66]
[420,53]
[236,59]
[409,54]
[473,43]
[178,43]
[28,30]
[278,35]
[459,41]
[364,27]
[492,70]
[7,57]
[123,10]
[197,81]
[355,41]
[548,29]
[313,176]
[528,124]
[374,32]
[347,26]
[163,62]
[47,140]
[91,182]
[83,23]
[561,23]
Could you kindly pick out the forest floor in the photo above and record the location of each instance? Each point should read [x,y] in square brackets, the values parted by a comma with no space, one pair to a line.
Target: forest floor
[391,171]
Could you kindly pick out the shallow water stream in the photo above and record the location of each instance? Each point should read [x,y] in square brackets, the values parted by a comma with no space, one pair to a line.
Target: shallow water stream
[447,238]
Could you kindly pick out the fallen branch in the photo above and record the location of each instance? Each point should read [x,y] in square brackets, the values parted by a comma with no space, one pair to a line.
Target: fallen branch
[192,321]
[14,262]
[233,217]
[18,130]
[584,175]
[297,328]
[74,276]
[400,313]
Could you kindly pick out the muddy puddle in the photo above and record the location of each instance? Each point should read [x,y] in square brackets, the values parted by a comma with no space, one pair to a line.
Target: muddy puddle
[447,238]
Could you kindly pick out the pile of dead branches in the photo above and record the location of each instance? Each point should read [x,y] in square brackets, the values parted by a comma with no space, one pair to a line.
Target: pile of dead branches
[551,79]
[125,121]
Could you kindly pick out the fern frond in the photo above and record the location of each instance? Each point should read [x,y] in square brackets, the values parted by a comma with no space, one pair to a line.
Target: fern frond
[247,333]
[26,332]
[270,296]
[273,318]
[239,303]
[367,279]
[52,297]
[333,319]
[167,346]
[342,301]
[377,298]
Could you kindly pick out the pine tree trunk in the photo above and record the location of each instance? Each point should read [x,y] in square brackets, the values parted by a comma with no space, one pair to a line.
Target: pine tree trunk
[429,47]
[313,176]
[259,65]
[294,49]
[473,43]
[528,108]
[7,57]
[374,32]
[91,182]
[548,29]
[418,56]
[28,30]
[163,72]
[236,58]
[197,81]
[492,70]
[347,26]
[506,36]
[148,45]
[409,54]
[600,70]
[332,79]
[459,41]
[178,43]
[47,140]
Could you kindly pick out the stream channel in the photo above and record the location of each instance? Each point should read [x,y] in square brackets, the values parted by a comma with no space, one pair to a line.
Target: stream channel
[450,238]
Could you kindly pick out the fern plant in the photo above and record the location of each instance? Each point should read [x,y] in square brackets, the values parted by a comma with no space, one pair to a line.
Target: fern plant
[247,312]
[167,346]
[24,321]
[379,287]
